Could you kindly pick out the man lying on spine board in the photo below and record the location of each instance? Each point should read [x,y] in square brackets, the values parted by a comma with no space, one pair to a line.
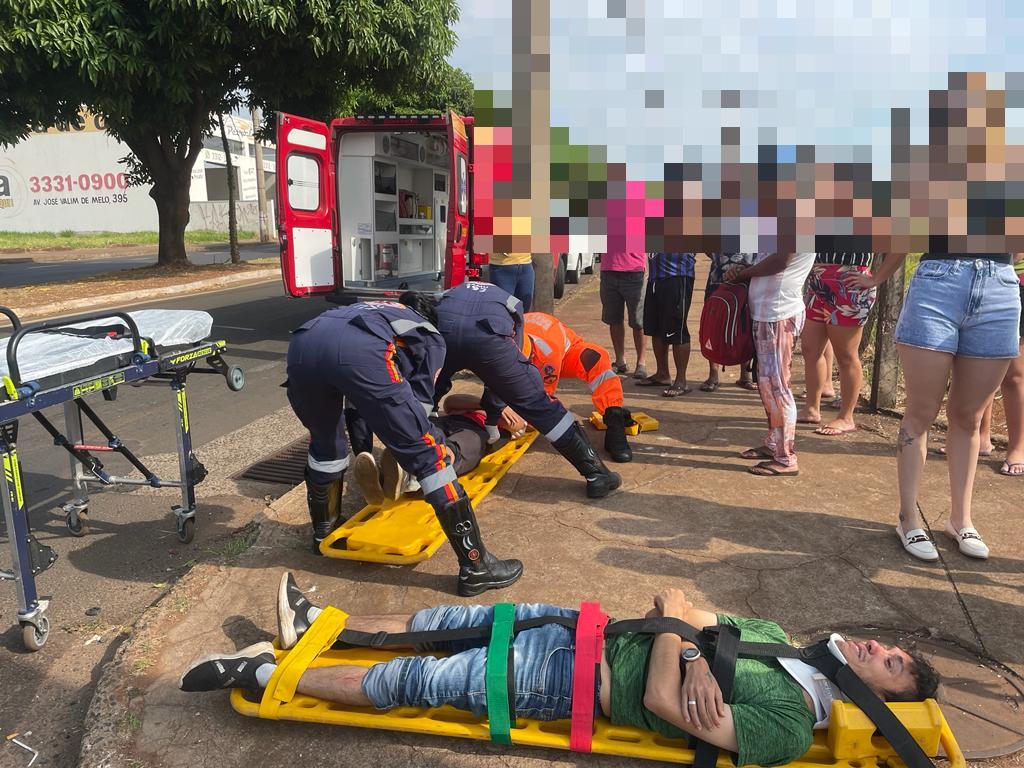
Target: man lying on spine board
[466,442]
[776,703]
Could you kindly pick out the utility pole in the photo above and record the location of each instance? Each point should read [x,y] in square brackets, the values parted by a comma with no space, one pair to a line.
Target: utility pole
[229,172]
[261,184]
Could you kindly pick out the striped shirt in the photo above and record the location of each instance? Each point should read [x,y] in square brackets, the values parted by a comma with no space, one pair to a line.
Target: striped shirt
[664,265]
[846,259]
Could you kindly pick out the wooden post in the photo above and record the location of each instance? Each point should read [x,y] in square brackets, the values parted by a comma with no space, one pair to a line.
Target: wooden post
[886,371]
[544,283]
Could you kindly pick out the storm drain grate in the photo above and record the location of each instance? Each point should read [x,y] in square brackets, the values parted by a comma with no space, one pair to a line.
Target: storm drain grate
[286,466]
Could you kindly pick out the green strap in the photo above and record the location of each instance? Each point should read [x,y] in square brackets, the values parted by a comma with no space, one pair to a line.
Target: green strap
[500,714]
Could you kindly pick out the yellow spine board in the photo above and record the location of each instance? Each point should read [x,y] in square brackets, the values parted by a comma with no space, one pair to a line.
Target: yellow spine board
[643,423]
[847,743]
[406,531]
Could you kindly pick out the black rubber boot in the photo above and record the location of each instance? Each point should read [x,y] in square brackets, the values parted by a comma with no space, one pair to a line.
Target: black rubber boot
[616,445]
[479,570]
[575,446]
[324,501]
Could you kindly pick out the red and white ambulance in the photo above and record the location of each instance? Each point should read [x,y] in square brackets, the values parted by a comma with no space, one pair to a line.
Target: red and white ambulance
[369,207]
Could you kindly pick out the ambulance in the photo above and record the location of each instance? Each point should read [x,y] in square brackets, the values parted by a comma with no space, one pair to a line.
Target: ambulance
[369,207]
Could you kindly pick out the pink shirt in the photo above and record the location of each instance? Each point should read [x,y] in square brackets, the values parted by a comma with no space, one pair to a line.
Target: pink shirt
[623,262]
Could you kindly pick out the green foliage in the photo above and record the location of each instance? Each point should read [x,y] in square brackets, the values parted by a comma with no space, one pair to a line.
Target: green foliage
[446,88]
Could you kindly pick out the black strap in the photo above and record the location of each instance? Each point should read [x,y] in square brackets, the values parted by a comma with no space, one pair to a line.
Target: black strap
[724,670]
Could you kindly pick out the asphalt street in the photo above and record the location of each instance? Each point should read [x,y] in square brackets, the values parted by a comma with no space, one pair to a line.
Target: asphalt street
[14,273]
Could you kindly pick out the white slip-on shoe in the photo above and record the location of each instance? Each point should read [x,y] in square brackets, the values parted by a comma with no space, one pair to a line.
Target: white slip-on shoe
[917,543]
[970,541]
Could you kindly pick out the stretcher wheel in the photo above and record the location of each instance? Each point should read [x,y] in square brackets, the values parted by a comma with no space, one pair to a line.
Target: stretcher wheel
[187,530]
[77,522]
[235,378]
[34,637]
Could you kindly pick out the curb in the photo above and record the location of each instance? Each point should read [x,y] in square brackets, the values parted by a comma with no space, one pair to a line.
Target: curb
[109,252]
[134,297]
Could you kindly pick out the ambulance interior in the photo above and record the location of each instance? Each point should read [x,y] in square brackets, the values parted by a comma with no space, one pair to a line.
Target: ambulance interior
[393,197]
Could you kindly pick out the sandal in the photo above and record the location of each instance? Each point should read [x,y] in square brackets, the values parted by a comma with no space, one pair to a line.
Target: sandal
[829,431]
[709,385]
[620,368]
[760,452]
[1008,467]
[675,390]
[771,469]
[747,384]
[650,381]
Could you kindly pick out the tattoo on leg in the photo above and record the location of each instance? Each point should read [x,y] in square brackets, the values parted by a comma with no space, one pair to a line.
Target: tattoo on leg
[905,440]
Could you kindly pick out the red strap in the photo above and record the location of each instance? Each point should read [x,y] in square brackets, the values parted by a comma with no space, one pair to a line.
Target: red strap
[586,666]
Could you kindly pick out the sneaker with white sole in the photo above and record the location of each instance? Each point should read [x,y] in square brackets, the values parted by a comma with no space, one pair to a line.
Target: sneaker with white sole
[367,477]
[969,540]
[917,543]
[395,481]
[292,612]
[217,671]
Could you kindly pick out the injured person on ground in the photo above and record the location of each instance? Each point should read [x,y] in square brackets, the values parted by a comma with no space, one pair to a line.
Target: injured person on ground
[466,443]
[658,682]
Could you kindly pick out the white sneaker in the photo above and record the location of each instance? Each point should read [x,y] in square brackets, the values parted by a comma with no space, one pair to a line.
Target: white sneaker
[970,541]
[917,543]
[367,477]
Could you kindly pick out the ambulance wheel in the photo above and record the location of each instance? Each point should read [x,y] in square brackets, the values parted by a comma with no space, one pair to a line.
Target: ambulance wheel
[77,522]
[236,378]
[34,637]
[187,530]
[560,279]
[572,276]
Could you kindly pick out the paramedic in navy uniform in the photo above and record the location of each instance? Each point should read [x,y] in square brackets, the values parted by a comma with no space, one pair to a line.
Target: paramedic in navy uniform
[382,358]
[482,327]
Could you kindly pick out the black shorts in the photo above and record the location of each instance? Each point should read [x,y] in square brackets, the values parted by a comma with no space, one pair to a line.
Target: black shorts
[666,306]
[467,439]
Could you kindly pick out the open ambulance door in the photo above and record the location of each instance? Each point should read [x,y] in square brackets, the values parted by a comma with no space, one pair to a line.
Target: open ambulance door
[458,207]
[305,201]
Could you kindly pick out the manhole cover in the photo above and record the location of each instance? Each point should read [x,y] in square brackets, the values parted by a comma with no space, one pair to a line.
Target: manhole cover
[286,466]
[982,701]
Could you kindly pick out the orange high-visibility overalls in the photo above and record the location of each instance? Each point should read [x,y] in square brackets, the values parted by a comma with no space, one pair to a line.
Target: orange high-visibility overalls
[557,351]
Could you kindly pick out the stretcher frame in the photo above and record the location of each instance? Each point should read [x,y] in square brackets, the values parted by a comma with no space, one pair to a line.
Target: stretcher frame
[18,398]
[405,531]
[641,422]
[850,741]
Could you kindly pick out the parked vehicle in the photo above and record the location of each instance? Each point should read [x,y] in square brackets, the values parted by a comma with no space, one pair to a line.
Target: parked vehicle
[577,264]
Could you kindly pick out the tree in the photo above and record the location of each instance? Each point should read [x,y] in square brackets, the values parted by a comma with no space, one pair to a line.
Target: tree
[158,71]
[229,171]
[452,88]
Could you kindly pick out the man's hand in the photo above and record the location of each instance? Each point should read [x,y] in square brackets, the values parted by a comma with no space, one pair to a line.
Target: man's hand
[512,422]
[700,686]
[732,275]
[672,602]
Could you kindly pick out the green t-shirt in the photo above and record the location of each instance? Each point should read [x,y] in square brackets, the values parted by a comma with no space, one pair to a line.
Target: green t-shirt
[773,723]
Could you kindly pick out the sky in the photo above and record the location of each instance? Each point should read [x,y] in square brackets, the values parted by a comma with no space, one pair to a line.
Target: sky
[645,77]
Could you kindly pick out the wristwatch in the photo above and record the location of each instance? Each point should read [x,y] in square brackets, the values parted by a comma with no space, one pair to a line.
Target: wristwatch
[691,654]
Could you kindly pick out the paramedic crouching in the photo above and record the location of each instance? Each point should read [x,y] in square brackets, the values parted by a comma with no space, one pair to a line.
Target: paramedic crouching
[382,359]
[776,703]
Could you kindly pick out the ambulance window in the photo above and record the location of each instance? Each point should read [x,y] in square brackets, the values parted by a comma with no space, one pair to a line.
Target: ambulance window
[303,182]
[463,185]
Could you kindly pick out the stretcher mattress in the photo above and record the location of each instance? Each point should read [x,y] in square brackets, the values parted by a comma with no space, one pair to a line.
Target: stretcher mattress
[52,353]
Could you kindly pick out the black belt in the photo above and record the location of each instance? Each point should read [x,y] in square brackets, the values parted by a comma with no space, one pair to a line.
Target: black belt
[709,641]
[999,258]
[845,259]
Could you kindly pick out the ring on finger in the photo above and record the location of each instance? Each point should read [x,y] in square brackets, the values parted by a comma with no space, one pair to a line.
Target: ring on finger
[692,703]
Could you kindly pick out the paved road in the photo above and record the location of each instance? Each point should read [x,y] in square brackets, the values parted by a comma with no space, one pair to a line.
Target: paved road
[35,273]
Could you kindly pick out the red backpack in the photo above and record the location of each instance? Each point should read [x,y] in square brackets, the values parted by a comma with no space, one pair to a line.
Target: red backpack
[726,331]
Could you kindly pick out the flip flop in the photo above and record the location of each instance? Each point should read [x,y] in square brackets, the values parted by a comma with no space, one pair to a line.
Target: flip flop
[650,381]
[675,391]
[709,386]
[808,421]
[620,368]
[760,452]
[770,469]
[828,431]
[941,450]
[747,384]
[1007,469]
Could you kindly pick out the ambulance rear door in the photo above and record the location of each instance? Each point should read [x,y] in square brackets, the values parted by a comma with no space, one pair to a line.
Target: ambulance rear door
[306,206]
[458,208]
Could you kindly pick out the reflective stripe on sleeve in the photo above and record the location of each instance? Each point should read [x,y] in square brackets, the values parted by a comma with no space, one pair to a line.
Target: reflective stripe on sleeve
[563,426]
[335,465]
[511,304]
[601,379]
[542,345]
[403,325]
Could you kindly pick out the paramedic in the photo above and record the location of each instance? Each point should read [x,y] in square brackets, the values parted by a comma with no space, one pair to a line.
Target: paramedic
[776,704]
[382,359]
[556,351]
[482,326]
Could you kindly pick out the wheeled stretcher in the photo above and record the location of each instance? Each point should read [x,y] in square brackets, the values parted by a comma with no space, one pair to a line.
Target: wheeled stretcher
[852,739]
[406,531]
[61,362]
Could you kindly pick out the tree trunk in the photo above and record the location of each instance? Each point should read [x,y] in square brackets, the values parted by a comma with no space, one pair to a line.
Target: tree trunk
[543,283]
[172,198]
[236,257]
[886,373]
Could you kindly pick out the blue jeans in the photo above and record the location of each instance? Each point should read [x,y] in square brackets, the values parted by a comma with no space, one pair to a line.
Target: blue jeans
[966,307]
[543,666]
[516,279]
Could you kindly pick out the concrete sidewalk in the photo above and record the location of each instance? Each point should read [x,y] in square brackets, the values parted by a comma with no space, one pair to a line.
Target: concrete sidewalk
[811,552]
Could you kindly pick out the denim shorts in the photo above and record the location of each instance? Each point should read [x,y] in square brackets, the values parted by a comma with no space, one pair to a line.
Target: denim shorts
[967,307]
[543,666]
